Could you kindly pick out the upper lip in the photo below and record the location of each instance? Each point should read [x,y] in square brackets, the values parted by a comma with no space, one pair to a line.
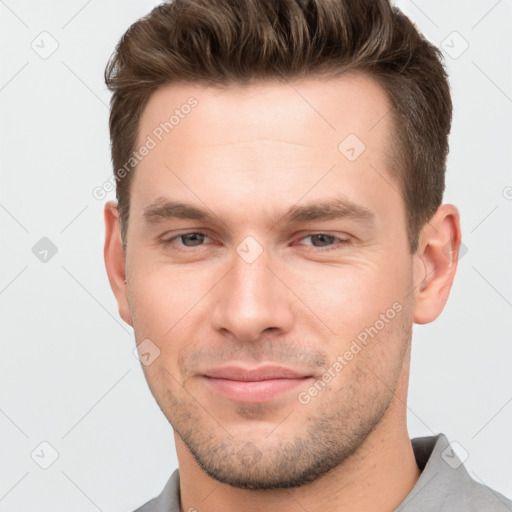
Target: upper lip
[266,372]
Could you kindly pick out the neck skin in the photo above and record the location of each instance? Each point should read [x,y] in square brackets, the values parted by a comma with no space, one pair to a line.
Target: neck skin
[377,477]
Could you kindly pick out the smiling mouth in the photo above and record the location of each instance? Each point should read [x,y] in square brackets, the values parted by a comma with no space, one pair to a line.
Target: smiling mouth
[253,385]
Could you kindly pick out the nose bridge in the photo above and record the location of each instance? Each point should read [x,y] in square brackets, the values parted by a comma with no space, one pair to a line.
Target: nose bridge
[250,298]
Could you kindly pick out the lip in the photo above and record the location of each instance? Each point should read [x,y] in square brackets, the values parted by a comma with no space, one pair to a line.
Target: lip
[253,385]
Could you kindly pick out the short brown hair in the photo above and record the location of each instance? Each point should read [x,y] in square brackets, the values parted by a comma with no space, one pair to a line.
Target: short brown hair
[222,42]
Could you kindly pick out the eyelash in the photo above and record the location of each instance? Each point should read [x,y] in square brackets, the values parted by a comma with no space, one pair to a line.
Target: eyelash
[336,246]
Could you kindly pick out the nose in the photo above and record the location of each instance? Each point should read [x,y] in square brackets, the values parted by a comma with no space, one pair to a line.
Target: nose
[251,300]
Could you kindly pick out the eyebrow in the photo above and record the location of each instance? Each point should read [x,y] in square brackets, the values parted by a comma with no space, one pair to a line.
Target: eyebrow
[163,209]
[326,210]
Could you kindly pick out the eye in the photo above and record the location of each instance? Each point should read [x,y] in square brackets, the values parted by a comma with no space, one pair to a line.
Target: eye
[192,239]
[319,240]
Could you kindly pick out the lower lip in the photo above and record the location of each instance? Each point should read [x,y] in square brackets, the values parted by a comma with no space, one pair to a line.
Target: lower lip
[253,391]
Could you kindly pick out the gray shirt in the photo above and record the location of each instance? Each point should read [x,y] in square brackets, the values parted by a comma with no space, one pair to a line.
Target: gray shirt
[444,485]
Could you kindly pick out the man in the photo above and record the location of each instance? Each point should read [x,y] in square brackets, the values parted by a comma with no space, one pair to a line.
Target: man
[279,228]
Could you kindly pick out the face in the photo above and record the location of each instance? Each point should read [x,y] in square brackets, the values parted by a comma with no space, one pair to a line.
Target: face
[268,263]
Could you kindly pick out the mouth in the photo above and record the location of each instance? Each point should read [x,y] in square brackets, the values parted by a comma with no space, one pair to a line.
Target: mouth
[253,385]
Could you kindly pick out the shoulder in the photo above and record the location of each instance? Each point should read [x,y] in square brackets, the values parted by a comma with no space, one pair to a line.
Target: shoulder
[445,484]
[481,498]
[168,500]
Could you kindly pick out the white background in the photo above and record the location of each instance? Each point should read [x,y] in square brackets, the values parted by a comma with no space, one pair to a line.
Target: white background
[68,375]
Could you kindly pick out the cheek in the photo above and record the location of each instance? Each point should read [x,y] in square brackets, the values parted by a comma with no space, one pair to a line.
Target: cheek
[164,295]
[168,307]
[352,296]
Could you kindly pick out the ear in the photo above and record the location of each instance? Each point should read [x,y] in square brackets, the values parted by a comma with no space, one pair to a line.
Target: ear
[436,262]
[115,259]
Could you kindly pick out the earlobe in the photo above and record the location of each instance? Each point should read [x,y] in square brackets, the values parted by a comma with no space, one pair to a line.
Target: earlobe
[436,263]
[115,259]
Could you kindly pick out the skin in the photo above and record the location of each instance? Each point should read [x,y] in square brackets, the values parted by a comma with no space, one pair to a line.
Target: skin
[247,155]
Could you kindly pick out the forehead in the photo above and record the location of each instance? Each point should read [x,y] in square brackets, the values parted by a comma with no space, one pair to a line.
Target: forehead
[307,108]
[267,139]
